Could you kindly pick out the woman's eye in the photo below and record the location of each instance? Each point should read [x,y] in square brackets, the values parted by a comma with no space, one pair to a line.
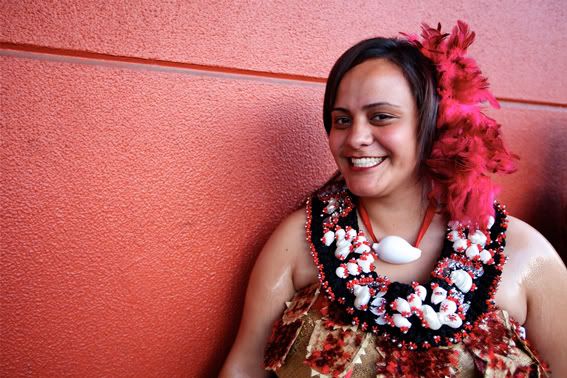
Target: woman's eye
[381,117]
[341,121]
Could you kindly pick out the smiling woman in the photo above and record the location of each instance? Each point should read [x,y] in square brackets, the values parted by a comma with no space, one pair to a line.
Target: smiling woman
[403,265]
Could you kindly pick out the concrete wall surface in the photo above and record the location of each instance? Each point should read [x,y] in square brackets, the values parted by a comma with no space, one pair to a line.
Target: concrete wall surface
[148,149]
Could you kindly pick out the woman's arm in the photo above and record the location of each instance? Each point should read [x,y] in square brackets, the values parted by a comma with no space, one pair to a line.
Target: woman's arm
[271,285]
[545,283]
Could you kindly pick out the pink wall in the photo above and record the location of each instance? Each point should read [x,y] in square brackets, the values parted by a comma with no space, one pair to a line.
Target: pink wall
[148,150]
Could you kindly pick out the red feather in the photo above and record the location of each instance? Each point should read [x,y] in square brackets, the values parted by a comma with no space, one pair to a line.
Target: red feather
[469,146]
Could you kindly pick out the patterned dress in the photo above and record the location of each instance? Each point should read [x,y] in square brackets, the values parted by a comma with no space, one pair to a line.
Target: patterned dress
[356,323]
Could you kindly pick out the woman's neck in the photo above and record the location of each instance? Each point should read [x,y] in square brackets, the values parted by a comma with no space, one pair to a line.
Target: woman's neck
[398,214]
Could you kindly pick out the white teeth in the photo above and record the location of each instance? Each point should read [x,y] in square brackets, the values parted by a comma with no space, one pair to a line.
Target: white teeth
[366,162]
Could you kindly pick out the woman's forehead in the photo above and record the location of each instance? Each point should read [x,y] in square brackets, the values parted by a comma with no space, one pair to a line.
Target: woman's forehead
[374,81]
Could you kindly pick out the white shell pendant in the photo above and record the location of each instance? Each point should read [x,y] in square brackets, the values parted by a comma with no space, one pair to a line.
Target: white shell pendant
[396,250]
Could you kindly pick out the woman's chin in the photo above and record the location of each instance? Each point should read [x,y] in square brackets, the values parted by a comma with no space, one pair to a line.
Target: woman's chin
[364,188]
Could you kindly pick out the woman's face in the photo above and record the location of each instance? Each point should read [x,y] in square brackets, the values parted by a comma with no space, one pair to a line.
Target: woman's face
[373,136]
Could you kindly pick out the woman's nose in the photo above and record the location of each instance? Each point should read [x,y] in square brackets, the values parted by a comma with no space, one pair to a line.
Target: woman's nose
[360,134]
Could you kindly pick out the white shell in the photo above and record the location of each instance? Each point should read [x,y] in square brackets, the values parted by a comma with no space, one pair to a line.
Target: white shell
[462,280]
[342,243]
[452,320]
[362,248]
[414,301]
[447,307]
[351,234]
[454,236]
[402,306]
[343,252]
[340,234]
[364,262]
[460,245]
[472,251]
[378,301]
[341,272]
[362,294]
[431,317]
[485,256]
[478,238]
[380,294]
[438,295]
[380,320]
[400,321]
[368,256]
[421,291]
[396,250]
[353,268]
[359,239]
[328,238]
[377,306]
[490,222]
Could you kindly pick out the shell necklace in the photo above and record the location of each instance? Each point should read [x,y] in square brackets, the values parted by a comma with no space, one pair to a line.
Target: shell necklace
[395,249]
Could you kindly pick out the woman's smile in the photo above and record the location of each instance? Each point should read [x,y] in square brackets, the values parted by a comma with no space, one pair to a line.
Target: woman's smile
[365,163]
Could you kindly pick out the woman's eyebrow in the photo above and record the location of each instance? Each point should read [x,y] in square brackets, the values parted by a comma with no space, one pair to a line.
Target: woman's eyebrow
[375,104]
[368,106]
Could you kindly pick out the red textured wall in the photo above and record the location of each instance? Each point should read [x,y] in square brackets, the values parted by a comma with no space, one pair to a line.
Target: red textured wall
[149,148]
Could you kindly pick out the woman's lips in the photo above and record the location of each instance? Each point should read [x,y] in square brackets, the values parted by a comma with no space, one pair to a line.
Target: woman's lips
[364,163]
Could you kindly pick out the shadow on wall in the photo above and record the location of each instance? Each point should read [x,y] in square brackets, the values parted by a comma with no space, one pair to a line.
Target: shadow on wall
[546,202]
[288,159]
[298,152]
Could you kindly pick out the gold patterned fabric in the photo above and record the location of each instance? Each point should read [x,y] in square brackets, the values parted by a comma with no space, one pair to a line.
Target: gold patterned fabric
[312,340]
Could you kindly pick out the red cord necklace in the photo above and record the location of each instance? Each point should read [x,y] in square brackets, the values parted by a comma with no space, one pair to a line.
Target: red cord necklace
[394,249]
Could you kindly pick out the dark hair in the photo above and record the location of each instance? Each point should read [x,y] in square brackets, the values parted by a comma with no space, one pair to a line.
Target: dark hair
[418,70]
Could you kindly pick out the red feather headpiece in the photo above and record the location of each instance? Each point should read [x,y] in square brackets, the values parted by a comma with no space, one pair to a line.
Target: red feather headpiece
[468,144]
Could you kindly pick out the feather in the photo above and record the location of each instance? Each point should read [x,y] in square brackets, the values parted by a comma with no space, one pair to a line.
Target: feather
[469,145]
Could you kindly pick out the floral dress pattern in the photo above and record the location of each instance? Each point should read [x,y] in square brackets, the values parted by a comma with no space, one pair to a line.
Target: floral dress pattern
[354,322]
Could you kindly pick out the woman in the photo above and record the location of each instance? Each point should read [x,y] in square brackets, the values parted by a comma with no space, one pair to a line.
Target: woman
[413,152]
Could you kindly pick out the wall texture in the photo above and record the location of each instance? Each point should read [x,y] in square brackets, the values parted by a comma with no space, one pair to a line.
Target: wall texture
[149,148]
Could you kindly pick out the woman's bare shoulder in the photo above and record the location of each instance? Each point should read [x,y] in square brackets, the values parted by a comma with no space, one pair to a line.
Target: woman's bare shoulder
[527,252]
[526,245]
[529,256]
[288,239]
[288,245]
[543,278]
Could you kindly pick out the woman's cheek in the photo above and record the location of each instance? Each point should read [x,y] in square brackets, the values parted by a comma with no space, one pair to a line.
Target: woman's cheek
[334,148]
[336,141]
[399,143]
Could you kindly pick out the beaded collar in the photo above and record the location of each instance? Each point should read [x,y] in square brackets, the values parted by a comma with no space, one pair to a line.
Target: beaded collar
[442,311]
